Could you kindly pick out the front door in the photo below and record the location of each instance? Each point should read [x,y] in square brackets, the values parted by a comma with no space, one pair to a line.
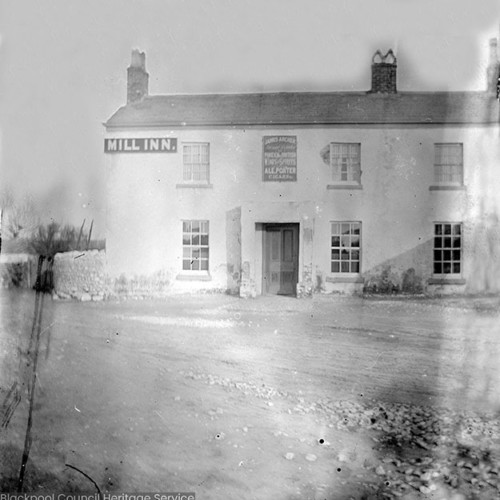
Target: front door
[281,258]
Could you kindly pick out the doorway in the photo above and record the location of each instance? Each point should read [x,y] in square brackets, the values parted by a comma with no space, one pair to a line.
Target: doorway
[281,259]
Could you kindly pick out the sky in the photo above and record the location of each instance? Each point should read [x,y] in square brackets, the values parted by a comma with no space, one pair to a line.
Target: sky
[63,69]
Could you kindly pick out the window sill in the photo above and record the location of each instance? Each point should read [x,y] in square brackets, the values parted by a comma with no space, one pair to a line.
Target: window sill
[193,186]
[445,187]
[446,281]
[344,279]
[344,186]
[203,276]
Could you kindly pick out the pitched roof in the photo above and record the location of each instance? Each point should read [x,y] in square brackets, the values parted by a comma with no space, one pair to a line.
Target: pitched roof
[308,108]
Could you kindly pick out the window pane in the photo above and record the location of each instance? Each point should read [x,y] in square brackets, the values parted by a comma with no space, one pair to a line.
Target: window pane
[186,239]
[335,228]
[335,267]
[446,254]
[345,255]
[355,255]
[204,253]
[456,242]
[196,239]
[335,241]
[457,229]
[439,229]
[335,254]
[447,228]
[355,267]
[447,243]
[346,241]
[438,243]
[456,267]
[186,226]
[438,255]
[354,241]
[195,226]
[438,268]
[186,264]
[345,267]
[456,254]
[204,239]
[345,228]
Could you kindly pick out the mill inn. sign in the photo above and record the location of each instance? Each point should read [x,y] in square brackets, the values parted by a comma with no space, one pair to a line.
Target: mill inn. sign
[141,145]
[279,158]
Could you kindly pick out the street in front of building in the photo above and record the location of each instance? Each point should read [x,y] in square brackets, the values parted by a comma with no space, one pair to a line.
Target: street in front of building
[332,397]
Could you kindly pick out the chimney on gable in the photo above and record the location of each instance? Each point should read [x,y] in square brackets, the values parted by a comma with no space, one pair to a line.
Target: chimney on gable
[384,73]
[492,72]
[137,78]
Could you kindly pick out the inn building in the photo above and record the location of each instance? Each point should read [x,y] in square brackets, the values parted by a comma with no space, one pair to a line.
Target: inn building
[300,192]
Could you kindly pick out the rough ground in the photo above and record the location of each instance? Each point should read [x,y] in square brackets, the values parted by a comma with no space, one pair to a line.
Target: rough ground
[327,398]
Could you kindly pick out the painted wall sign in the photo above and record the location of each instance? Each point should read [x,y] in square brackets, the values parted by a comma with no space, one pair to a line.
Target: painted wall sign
[141,145]
[279,158]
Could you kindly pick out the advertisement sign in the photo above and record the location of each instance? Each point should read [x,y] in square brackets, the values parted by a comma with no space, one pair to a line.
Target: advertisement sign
[279,158]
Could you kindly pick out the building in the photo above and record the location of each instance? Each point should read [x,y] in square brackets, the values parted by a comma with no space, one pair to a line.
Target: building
[290,193]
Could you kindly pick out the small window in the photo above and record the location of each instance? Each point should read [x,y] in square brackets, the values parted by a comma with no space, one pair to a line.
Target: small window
[196,164]
[345,162]
[447,248]
[448,164]
[195,248]
[345,247]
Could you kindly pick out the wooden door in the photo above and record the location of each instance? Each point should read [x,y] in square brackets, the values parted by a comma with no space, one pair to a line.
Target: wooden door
[281,263]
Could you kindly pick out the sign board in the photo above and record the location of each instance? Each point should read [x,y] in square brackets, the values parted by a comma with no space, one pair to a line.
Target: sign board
[279,158]
[141,145]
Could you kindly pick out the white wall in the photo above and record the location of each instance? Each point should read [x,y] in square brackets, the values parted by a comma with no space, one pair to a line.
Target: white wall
[396,207]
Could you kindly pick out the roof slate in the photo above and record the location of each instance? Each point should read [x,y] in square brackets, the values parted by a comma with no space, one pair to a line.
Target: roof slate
[308,108]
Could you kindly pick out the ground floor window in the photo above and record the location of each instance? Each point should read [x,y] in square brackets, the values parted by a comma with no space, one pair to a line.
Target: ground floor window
[195,245]
[447,248]
[345,247]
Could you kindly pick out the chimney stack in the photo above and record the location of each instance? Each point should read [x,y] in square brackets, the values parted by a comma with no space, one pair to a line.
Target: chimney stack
[384,73]
[492,72]
[137,78]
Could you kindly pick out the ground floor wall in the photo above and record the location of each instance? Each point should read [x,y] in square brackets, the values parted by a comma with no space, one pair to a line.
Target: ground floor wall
[396,253]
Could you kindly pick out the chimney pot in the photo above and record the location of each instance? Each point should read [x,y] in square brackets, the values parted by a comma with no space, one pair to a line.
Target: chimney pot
[492,71]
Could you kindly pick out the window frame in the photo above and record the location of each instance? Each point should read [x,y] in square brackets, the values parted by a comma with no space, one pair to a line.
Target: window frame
[442,236]
[342,273]
[191,181]
[336,170]
[440,183]
[195,247]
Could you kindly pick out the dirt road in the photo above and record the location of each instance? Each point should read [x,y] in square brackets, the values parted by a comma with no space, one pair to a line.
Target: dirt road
[328,398]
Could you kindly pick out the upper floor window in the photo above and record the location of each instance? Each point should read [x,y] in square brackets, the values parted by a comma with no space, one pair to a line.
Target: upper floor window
[345,162]
[448,164]
[196,163]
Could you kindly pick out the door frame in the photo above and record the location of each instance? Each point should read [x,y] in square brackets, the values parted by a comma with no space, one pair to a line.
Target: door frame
[296,238]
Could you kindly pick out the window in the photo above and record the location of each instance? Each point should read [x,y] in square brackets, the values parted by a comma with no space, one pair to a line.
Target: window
[448,164]
[346,247]
[195,245]
[345,162]
[195,163]
[447,248]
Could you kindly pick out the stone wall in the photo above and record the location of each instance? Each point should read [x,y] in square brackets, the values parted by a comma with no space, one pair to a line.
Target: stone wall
[80,275]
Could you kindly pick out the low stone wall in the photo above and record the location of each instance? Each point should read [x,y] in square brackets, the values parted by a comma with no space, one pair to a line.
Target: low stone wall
[81,275]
